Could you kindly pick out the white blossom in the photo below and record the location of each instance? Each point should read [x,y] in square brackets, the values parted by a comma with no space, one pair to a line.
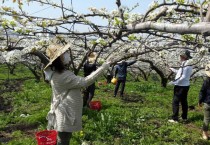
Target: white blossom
[132,50]
[114,12]
[202,51]
[93,9]
[80,15]
[191,61]
[153,4]
[24,115]
[85,143]
[171,9]
[13,56]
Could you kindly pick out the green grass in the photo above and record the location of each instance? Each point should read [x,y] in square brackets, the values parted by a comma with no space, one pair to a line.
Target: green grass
[141,119]
[20,71]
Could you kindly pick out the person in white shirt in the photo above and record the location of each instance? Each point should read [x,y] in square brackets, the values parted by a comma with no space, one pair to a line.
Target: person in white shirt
[181,87]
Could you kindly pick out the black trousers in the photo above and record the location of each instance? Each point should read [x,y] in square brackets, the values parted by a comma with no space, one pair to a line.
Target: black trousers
[122,82]
[109,78]
[63,138]
[88,94]
[180,96]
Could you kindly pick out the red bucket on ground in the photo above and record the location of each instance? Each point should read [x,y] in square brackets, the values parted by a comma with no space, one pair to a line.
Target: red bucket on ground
[46,137]
[95,105]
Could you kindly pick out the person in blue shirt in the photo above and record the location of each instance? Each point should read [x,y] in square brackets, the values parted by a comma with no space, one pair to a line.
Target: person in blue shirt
[120,74]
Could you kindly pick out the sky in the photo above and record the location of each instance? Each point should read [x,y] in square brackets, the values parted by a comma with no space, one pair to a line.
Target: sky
[80,6]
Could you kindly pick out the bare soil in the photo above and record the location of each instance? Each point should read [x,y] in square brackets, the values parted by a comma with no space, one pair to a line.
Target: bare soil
[8,86]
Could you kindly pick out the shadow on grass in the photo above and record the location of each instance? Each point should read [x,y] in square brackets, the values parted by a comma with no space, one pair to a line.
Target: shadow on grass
[5,134]
[198,117]
[133,98]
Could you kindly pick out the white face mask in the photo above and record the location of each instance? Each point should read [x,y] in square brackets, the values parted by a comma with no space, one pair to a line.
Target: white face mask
[66,58]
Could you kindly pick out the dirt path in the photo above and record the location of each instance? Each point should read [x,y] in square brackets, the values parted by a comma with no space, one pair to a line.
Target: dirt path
[8,86]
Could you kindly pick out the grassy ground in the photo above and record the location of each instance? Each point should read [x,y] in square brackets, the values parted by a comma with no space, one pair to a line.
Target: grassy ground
[140,118]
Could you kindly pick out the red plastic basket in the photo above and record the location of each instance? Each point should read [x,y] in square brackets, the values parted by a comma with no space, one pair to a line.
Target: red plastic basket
[46,137]
[95,105]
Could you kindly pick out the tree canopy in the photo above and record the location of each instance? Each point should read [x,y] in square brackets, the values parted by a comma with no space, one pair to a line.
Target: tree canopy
[154,38]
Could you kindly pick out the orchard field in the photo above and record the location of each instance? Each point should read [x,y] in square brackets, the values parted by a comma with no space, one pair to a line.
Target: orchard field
[152,32]
[140,118]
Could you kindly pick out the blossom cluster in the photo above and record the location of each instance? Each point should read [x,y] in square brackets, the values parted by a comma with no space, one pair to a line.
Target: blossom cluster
[15,56]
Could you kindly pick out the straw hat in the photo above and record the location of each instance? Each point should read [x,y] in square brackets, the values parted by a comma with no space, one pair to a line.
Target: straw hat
[186,53]
[92,57]
[54,51]
[207,70]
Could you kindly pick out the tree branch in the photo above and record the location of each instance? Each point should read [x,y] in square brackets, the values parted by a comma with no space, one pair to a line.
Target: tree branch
[199,28]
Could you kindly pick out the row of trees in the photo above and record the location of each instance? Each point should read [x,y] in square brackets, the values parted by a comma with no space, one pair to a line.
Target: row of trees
[155,38]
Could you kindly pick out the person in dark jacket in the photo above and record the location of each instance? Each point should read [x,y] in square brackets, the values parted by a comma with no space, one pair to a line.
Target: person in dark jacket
[120,74]
[89,67]
[204,98]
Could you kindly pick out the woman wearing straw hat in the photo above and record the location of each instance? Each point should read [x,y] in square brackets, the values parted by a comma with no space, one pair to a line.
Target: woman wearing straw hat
[89,67]
[65,115]
[204,97]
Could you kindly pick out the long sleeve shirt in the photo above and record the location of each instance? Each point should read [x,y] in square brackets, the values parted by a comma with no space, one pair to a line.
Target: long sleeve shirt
[121,69]
[183,74]
[66,90]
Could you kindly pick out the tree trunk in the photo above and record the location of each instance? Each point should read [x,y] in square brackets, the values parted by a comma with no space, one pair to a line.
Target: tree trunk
[11,68]
[164,82]
[158,71]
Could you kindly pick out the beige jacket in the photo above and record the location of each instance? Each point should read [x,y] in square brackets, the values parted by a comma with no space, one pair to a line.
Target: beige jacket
[68,114]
